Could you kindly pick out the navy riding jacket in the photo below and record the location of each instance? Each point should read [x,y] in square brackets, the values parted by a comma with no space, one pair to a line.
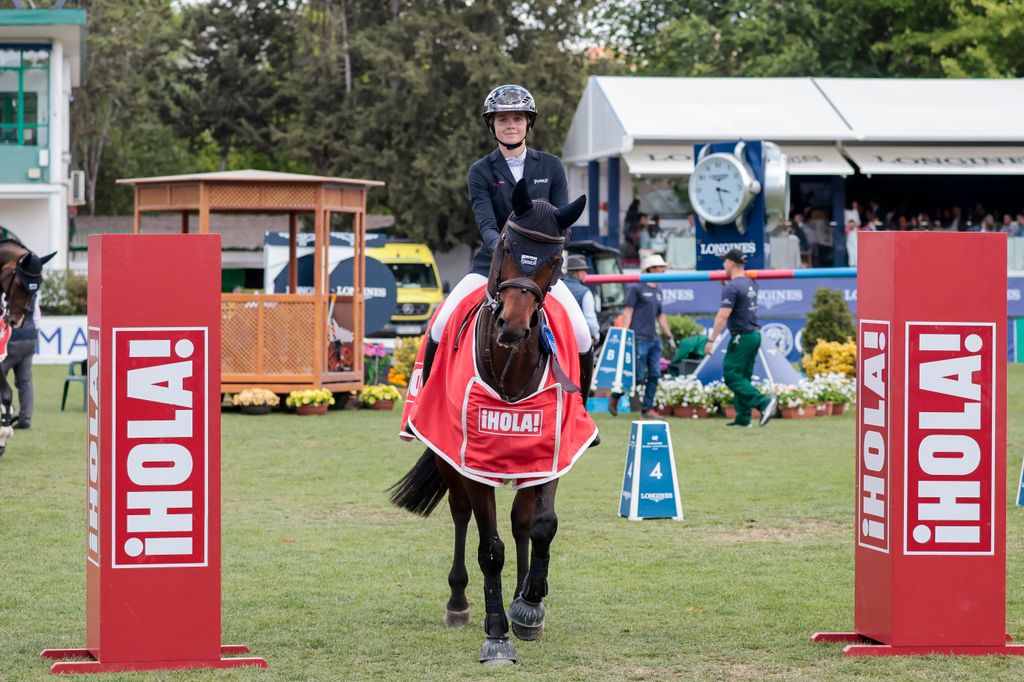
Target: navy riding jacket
[490,186]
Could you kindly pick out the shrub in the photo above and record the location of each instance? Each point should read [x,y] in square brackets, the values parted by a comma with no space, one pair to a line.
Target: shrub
[829,320]
[683,326]
[255,396]
[831,357]
[64,293]
[371,394]
[404,357]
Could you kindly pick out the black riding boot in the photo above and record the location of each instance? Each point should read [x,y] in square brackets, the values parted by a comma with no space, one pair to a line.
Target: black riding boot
[428,357]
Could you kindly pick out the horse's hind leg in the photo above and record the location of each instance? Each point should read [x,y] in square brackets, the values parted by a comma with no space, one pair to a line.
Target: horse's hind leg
[457,610]
[491,556]
[527,610]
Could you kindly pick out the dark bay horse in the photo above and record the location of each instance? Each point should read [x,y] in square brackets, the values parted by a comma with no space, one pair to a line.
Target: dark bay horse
[21,274]
[512,360]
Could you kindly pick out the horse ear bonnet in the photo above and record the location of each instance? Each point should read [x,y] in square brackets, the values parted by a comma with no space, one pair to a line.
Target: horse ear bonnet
[538,216]
[30,270]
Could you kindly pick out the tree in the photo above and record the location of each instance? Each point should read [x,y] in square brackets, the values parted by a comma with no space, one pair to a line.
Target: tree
[128,46]
[419,77]
[829,319]
[775,37]
[228,86]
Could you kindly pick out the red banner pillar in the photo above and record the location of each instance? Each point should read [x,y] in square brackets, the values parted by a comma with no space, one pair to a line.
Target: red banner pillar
[153,596]
[930,557]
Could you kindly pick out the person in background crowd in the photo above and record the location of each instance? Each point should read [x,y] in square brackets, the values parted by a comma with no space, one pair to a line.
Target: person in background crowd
[739,311]
[689,228]
[797,227]
[875,208]
[1017,226]
[988,223]
[653,239]
[577,269]
[956,223]
[632,216]
[852,215]
[643,314]
[851,241]
[1007,225]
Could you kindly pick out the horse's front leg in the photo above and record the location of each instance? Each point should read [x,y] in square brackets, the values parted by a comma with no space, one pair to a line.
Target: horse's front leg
[527,610]
[522,514]
[497,650]
[6,412]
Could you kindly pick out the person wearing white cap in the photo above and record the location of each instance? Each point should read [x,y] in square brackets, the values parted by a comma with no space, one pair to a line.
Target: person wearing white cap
[644,316]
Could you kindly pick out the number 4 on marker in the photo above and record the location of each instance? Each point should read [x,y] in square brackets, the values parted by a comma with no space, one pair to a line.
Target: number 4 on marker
[656,472]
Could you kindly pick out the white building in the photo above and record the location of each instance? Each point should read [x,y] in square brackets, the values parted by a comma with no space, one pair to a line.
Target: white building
[40,63]
[929,143]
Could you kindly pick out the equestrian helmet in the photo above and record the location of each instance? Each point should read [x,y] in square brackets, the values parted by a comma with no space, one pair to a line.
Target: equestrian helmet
[510,98]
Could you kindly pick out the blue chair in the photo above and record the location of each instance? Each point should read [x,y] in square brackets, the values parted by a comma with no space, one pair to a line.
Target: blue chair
[82,377]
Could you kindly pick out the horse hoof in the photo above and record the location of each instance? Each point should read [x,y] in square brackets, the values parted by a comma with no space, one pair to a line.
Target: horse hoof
[456,619]
[527,619]
[497,651]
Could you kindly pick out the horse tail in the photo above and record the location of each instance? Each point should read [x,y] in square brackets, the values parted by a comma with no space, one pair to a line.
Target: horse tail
[420,490]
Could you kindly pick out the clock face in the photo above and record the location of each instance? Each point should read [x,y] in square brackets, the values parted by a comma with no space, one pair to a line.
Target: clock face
[718,189]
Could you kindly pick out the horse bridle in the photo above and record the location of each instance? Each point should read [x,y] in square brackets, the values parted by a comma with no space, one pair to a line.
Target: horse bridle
[492,300]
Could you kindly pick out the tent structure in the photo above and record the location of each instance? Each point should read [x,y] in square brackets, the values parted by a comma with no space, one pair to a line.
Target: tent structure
[771,365]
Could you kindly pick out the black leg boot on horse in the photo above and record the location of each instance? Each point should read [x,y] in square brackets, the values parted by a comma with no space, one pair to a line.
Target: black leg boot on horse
[527,609]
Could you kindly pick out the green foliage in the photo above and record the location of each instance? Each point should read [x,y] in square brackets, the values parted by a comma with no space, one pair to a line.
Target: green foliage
[829,319]
[683,326]
[64,293]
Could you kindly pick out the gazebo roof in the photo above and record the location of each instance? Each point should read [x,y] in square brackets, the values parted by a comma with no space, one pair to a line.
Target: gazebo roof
[249,175]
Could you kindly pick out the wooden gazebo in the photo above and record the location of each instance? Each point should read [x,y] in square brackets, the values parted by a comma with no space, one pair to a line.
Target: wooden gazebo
[279,341]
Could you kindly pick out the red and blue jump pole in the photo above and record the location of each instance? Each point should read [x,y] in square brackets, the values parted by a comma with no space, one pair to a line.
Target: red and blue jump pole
[713,275]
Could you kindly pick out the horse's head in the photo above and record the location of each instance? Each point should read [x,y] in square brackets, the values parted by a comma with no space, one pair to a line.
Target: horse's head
[527,262]
[21,274]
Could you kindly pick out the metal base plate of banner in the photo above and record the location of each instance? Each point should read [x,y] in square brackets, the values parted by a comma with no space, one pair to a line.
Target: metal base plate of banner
[91,665]
[857,645]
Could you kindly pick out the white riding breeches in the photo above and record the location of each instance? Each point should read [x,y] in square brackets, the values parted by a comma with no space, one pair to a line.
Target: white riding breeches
[473,281]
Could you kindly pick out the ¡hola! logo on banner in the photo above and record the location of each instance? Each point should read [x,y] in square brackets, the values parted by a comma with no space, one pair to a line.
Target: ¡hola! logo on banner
[160,480]
[949,505]
[873,411]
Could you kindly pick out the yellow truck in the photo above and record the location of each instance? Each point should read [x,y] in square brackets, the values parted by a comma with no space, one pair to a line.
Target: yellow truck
[419,285]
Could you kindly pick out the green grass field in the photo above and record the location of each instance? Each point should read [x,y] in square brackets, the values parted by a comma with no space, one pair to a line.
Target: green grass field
[328,582]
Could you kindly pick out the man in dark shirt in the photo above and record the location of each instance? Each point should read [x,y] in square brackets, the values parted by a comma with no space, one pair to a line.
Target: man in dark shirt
[643,315]
[739,309]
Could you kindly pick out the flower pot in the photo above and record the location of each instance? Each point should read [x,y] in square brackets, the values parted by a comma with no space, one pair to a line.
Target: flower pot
[684,411]
[384,405]
[255,409]
[700,412]
[838,409]
[665,411]
[729,411]
[797,412]
[311,409]
[823,409]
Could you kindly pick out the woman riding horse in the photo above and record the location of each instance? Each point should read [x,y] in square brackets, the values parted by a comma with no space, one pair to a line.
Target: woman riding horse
[509,112]
[505,401]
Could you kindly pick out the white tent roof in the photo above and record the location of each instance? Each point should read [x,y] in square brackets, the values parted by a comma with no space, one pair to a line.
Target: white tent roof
[616,112]
[633,117]
[929,110]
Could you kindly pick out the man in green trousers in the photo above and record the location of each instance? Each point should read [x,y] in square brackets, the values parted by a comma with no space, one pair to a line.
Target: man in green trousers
[739,310]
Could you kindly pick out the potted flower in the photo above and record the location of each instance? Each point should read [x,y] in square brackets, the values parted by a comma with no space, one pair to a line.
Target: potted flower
[793,401]
[310,401]
[690,400]
[722,398]
[255,401]
[379,396]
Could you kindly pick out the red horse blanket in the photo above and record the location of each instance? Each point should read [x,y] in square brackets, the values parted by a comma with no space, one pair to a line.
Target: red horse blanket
[530,441]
